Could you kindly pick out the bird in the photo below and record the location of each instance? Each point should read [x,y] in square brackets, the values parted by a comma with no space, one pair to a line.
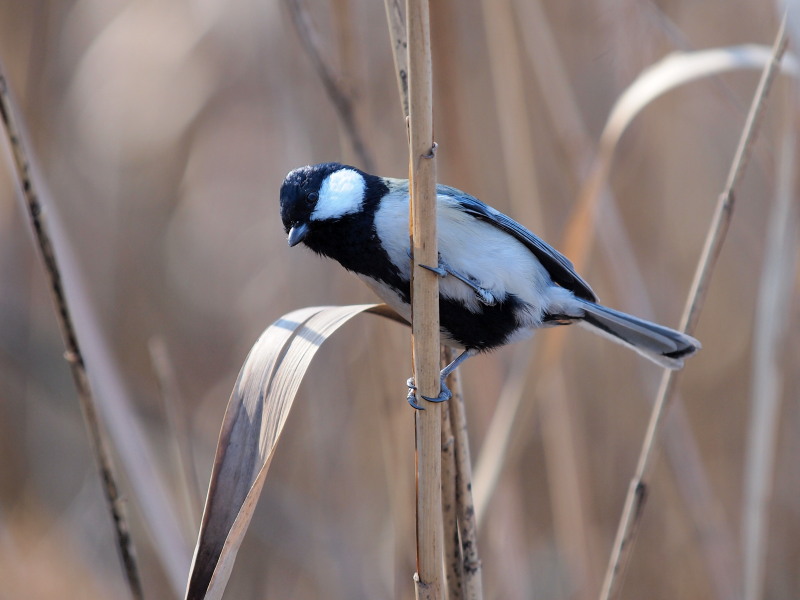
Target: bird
[498,284]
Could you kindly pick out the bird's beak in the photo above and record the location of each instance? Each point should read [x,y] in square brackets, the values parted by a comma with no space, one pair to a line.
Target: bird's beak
[297,233]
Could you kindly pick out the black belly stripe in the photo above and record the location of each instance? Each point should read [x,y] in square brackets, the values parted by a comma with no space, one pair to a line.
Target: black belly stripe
[484,330]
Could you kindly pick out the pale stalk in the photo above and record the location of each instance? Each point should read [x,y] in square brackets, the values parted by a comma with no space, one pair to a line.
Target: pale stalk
[472,573]
[425,302]
[452,544]
[73,354]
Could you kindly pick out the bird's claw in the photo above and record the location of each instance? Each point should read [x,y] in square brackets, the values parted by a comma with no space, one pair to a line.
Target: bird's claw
[412,400]
[412,394]
[444,394]
[443,270]
[440,271]
[487,297]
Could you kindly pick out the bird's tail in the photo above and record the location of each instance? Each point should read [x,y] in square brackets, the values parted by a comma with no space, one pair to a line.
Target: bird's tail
[662,345]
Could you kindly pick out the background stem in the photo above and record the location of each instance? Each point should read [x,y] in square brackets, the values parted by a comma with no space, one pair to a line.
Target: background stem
[637,492]
[72,354]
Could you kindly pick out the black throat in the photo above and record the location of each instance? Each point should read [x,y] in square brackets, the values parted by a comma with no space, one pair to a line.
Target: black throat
[353,241]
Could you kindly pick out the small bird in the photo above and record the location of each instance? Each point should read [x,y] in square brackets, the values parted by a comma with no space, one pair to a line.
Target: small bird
[499,282]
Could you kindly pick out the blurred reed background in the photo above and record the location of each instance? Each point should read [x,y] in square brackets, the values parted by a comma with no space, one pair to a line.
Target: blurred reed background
[162,132]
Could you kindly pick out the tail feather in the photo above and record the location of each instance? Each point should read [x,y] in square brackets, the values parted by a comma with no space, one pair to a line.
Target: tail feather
[662,345]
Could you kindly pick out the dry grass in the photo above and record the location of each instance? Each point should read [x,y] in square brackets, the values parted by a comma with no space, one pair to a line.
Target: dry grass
[162,132]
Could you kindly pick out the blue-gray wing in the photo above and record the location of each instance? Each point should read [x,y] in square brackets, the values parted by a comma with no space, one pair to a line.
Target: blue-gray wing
[557,265]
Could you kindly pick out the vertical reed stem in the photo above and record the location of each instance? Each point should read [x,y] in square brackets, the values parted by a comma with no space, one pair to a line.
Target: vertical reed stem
[471,569]
[425,301]
[452,541]
[72,353]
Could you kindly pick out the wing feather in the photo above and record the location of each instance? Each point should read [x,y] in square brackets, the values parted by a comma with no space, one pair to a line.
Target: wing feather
[557,265]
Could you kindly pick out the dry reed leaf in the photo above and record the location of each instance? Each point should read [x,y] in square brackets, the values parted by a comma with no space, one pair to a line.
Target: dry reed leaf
[637,492]
[678,69]
[673,71]
[253,422]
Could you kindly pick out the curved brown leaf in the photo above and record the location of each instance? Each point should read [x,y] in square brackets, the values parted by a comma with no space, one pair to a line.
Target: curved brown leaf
[253,422]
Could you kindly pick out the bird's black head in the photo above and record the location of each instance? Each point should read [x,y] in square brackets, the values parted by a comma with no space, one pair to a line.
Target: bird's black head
[317,194]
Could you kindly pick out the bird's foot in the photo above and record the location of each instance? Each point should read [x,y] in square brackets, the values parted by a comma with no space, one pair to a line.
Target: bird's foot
[444,394]
[484,295]
[441,271]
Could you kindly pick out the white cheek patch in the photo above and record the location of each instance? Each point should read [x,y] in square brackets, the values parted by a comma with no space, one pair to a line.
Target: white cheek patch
[342,193]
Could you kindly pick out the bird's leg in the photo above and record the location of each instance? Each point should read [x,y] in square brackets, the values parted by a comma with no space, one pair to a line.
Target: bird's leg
[443,270]
[412,394]
[444,393]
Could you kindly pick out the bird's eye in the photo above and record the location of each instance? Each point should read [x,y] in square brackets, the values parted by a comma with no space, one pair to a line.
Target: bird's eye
[312,197]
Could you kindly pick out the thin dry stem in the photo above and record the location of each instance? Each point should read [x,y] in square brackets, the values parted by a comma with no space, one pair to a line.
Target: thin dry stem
[637,492]
[773,312]
[716,537]
[341,100]
[452,547]
[174,407]
[472,573]
[564,448]
[395,15]
[73,353]
[425,301]
[519,158]
[464,579]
